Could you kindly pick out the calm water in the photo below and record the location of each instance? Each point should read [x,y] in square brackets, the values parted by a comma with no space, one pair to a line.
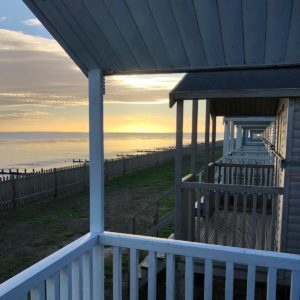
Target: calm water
[35,150]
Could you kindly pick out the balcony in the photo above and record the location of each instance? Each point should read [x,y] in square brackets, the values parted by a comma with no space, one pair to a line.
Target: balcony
[78,270]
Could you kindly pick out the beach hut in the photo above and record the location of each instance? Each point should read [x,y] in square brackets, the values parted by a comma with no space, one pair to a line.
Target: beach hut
[243,57]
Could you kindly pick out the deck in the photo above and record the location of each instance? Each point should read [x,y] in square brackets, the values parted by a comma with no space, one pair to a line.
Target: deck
[236,229]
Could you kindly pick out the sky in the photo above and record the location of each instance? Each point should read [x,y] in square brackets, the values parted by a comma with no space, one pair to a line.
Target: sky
[41,89]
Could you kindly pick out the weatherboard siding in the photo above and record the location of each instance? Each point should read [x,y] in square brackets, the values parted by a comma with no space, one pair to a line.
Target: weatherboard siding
[293,180]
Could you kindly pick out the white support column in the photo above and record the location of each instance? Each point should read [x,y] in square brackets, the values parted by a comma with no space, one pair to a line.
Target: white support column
[193,167]
[207,129]
[231,137]
[238,137]
[226,139]
[178,170]
[96,151]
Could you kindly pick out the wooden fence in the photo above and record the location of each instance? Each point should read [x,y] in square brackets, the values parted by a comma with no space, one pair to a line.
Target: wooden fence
[16,190]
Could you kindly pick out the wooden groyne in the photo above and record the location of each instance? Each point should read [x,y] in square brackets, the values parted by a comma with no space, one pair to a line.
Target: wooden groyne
[21,188]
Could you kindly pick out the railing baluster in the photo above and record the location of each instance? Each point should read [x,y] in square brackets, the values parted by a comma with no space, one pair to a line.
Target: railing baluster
[75,280]
[199,210]
[152,271]
[261,176]
[189,278]
[216,217]
[86,280]
[235,200]
[170,284]
[208,279]
[134,287]
[253,225]
[244,220]
[229,281]
[117,273]
[263,222]
[35,294]
[241,173]
[206,216]
[251,274]
[64,283]
[50,288]
[295,286]
[271,284]
[98,272]
[225,223]
[274,221]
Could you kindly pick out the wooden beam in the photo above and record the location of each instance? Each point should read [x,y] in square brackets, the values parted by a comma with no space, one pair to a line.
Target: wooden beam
[178,170]
[193,167]
[207,127]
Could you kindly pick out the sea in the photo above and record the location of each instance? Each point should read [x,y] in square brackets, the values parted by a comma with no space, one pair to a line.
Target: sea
[45,150]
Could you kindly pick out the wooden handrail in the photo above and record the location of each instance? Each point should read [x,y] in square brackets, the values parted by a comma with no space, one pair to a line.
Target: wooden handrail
[232,188]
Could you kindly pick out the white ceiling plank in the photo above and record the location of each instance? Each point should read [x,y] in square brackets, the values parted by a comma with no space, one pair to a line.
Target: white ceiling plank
[187,24]
[106,24]
[93,39]
[59,38]
[254,20]
[278,24]
[209,23]
[230,12]
[293,44]
[166,23]
[126,25]
[67,32]
[171,36]
[145,23]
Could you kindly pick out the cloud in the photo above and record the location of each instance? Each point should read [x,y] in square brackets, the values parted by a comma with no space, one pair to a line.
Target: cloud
[3,18]
[32,22]
[35,70]
[8,115]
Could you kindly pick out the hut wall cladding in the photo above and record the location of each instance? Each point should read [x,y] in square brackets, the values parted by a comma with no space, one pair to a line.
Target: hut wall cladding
[22,189]
[292,179]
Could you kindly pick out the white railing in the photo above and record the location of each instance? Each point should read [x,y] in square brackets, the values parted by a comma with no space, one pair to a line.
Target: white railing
[60,275]
[77,270]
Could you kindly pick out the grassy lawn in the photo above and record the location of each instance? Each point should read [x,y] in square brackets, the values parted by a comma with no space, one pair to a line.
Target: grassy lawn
[38,229]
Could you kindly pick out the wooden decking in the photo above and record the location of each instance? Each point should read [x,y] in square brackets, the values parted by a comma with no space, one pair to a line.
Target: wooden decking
[235,229]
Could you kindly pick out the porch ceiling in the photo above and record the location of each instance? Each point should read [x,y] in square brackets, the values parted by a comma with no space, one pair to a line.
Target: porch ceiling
[132,36]
[244,107]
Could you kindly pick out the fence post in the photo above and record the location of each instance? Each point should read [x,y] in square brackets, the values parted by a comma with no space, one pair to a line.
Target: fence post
[124,166]
[14,200]
[55,183]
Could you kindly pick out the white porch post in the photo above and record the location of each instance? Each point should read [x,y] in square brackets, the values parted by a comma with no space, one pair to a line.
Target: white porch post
[178,170]
[96,176]
[231,136]
[193,167]
[238,137]
[96,151]
[226,139]
[207,129]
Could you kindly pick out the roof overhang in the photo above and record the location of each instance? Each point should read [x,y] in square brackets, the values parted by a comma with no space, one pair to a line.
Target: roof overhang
[250,121]
[149,36]
[238,84]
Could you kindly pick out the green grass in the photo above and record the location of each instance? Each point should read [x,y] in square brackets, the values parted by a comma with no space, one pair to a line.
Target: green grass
[38,229]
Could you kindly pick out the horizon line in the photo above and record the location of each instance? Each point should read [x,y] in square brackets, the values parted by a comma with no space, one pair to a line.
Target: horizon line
[131,132]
